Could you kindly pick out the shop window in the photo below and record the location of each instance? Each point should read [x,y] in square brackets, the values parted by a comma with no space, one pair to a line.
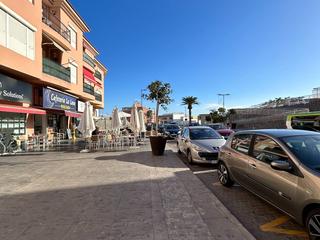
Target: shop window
[13,123]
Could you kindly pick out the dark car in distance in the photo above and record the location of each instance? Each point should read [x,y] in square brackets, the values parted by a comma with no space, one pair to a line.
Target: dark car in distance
[171,130]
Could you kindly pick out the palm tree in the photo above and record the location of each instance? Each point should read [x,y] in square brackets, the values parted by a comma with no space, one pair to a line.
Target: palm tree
[189,101]
[231,112]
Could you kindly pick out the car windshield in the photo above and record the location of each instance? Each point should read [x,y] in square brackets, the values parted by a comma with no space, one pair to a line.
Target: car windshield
[172,127]
[203,133]
[306,148]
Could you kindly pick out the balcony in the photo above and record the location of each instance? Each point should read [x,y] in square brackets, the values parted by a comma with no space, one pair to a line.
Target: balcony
[53,22]
[88,89]
[98,75]
[98,97]
[55,69]
[88,60]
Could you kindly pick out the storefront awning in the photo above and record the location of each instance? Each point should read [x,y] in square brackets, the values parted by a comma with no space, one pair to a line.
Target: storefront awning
[89,75]
[72,114]
[18,109]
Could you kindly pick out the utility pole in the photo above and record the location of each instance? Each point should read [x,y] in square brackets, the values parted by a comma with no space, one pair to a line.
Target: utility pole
[223,96]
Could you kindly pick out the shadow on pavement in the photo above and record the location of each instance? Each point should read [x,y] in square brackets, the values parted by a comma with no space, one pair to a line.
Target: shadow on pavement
[145,158]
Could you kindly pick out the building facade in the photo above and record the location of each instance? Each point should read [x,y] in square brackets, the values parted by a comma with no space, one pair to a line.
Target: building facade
[147,119]
[48,69]
[172,117]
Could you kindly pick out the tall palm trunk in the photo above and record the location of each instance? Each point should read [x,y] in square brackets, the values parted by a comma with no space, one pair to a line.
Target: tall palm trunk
[189,115]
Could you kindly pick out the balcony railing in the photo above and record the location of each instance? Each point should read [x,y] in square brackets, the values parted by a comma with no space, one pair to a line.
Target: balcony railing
[88,89]
[55,23]
[98,96]
[88,60]
[55,69]
[98,75]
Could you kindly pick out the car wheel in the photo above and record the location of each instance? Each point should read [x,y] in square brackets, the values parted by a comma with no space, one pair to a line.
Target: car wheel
[189,156]
[179,151]
[313,224]
[223,175]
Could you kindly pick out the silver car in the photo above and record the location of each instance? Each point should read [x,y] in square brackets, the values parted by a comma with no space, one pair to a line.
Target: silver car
[200,144]
[280,166]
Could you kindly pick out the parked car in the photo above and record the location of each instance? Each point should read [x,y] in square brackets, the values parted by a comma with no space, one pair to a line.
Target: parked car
[171,130]
[200,144]
[280,166]
[161,128]
[222,129]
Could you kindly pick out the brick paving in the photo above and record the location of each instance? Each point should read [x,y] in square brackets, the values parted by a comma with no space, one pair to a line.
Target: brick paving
[251,211]
[123,195]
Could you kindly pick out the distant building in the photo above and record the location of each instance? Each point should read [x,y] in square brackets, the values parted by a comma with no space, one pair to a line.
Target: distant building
[204,119]
[172,117]
[144,109]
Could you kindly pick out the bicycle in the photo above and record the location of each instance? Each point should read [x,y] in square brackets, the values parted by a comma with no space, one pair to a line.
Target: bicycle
[8,145]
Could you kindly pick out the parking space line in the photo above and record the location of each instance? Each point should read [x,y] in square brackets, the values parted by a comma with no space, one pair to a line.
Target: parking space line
[274,227]
[205,171]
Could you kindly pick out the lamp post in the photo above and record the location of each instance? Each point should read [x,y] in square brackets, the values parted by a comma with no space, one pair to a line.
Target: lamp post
[223,96]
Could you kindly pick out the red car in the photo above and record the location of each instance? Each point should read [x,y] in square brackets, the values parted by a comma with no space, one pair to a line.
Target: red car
[222,129]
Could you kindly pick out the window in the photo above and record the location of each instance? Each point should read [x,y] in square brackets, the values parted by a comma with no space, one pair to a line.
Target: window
[306,149]
[203,133]
[12,123]
[73,37]
[186,133]
[16,36]
[3,30]
[241,143]
[73,73]
[267,150]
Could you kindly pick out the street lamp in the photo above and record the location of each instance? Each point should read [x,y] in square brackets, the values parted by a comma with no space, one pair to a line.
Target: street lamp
[223,96]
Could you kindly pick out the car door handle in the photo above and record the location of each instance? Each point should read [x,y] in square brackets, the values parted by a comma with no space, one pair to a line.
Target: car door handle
[252,165]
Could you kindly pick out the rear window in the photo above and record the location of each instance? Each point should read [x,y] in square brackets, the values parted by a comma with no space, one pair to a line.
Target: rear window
[241,143]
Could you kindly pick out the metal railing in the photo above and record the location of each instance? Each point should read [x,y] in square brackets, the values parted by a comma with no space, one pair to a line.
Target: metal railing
[88,60]
[98,75]
[98,97]
[88,88]
[55,69]
[55,23]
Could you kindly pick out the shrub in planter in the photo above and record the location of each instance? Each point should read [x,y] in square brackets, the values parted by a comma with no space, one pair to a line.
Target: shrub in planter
[159,92]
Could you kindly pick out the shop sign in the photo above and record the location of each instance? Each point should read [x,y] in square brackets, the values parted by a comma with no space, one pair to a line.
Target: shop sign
[14,90]
[81,106]
[59,101]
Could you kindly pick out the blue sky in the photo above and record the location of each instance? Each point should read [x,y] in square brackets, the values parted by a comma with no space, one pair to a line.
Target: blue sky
[255,50]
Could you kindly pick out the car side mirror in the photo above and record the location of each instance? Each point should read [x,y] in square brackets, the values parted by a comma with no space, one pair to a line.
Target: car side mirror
[281,165]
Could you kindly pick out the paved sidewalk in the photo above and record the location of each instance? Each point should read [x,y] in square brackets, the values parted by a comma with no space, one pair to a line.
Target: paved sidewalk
[125,195]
